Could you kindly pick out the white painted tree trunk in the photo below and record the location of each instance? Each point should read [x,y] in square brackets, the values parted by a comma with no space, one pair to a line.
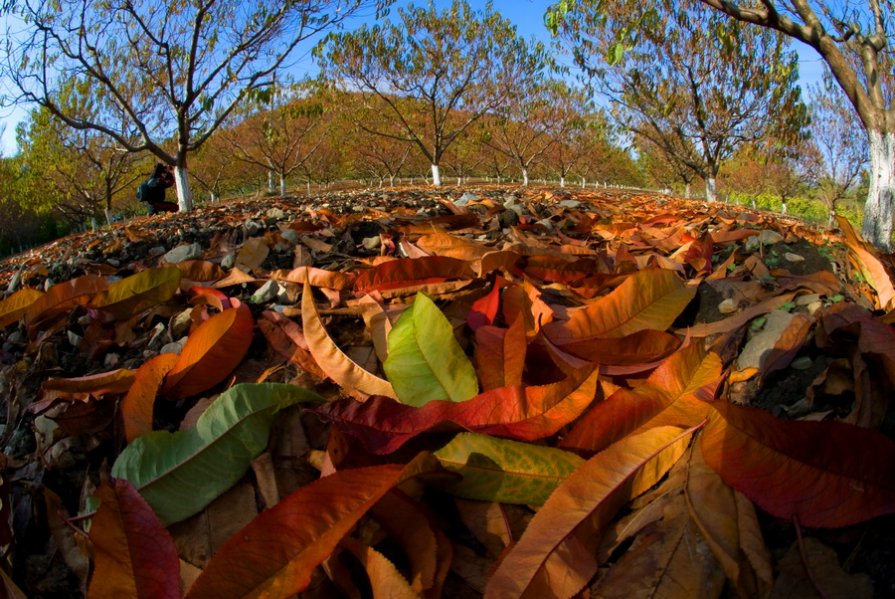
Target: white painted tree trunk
[880,205]
[436,175]
[583,183]
[282,186]
[459,181]
[213,197]
[711,189]
[525,177]
[309,186]
[391,180]
[562,181]
[182,184]
[687,191]
[783,208]
[108,214]
[270,187]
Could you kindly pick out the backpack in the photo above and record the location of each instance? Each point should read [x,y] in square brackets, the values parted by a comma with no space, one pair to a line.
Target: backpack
[143,191]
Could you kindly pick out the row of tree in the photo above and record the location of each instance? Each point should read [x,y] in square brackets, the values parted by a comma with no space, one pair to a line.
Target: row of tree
[458,88]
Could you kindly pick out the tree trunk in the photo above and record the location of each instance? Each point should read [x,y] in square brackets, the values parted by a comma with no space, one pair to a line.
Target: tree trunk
[108,214]
[391,180]
[711,191]
[562,181]
[436,175]
[583,183]
[270,187]
[182,181]
[687,191]
[214,197]
[880,205]
[525,177]
[282,186]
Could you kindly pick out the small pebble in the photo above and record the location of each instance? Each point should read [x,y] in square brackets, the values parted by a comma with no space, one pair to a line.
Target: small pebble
[728,306]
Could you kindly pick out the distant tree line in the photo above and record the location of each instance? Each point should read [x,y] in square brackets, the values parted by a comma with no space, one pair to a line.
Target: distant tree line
[678,96]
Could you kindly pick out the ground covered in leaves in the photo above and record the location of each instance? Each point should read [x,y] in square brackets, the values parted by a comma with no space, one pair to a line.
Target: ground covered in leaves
[460,392]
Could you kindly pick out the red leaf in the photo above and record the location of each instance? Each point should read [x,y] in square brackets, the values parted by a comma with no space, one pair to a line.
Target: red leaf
[826,474]
[211,352]
[530,413]
[675,394]
[484,310]
[134,555]
[407,272]
[275,554]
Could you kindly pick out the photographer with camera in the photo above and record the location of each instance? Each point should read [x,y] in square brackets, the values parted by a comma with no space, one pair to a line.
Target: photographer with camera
[152,191]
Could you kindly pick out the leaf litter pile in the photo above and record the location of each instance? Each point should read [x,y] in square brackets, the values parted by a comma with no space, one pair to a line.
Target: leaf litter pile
[422,393]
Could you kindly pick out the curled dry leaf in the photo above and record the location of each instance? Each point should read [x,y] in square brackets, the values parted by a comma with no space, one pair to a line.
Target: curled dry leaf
[137,406]
[332,360]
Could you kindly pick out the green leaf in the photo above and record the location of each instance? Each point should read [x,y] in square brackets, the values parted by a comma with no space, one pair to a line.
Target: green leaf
[505,471]
[136,293]
[180,473]
[424,361]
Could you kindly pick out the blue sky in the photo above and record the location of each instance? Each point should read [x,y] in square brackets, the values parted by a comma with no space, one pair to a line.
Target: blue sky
[527,15]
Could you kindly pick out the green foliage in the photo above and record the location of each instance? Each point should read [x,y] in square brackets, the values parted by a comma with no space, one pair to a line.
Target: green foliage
[180,473]
[425,362]
[505,471]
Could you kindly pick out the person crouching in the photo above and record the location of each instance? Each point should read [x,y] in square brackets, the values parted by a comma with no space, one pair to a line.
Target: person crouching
[152,191]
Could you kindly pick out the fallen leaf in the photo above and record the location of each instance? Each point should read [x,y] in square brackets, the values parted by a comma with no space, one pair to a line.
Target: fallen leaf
[137,406]
[826,474]
[824,567]
[180,473]
[211,352]
[383,425]
[135,293]
[16,305]
[134,556]
[504,471]
[648,299]
[675,394]
[870,265]
[551,559]
[332,360]
[384,578]
[425,362]
[275,554]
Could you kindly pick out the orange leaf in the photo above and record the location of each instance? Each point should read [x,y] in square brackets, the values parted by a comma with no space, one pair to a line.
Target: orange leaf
[15,306]
[870,265]
[500,355]
[287,339]
[648,299]
[675,394]
[826,474]
[332,360]
[275,554]
[137,405]
[63,296]
[556,555]
[134,555]
[211,352]
[83,388]
[408,272]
